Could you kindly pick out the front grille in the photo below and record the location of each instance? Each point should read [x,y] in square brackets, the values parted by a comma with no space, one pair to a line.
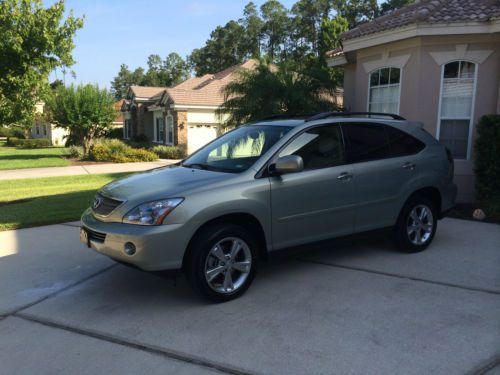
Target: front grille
[103,205]
[95,236]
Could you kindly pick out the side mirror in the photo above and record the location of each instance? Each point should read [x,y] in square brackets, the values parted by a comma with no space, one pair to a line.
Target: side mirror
[287,164]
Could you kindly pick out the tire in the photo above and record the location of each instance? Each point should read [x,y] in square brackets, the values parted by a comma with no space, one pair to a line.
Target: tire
[230,276]
[416,225]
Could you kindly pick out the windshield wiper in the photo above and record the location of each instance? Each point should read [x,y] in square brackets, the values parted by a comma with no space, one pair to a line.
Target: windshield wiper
[196,166]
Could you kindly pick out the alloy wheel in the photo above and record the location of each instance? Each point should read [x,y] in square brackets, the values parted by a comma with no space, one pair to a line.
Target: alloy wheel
[420,224]
[228,265]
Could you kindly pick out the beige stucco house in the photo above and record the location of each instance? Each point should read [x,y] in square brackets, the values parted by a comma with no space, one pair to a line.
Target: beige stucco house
[182,115]
[43,129]
[437,62]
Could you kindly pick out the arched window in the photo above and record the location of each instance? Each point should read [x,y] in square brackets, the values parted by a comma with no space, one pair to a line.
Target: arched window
[384,90]
[170,130]
[458,81]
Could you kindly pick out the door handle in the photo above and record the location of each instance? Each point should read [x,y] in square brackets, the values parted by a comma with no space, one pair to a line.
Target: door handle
[344,176]
[408,165]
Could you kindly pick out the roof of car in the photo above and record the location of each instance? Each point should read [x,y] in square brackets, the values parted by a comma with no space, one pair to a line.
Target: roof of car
[282,120]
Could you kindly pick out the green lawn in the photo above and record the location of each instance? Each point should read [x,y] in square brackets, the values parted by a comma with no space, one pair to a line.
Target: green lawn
[41,201]
[13,158]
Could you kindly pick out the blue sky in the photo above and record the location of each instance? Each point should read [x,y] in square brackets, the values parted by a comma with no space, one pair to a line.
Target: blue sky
[126,31]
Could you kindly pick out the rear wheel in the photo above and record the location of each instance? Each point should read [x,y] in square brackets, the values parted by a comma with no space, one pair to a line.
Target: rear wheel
[416,225]
[222,262]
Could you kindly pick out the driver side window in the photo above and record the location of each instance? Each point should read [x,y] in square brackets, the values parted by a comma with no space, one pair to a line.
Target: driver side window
[320,147]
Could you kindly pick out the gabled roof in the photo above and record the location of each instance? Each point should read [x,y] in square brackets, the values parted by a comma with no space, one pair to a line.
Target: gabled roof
[206,90]
[197,91]
[146,91]
[430,12]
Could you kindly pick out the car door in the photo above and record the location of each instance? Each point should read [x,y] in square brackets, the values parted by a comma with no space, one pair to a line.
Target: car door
[382,176]
[316,203]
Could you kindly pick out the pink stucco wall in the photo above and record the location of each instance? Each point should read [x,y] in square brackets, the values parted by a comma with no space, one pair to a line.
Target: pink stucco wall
[420,85]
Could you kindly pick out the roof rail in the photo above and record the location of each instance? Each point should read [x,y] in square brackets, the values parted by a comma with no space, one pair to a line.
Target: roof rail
[324,115]
[286,116]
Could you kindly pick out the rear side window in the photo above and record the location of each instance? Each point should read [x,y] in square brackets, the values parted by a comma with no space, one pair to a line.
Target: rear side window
[402,143]
[365,142]
[320,147]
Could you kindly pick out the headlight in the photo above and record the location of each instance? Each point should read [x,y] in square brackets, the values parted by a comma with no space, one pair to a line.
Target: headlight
[151,213]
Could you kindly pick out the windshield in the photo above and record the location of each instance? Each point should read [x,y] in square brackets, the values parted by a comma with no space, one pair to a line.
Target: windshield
[237,150]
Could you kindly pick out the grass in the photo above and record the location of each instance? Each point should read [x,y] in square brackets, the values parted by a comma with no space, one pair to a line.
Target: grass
[13,158]
[42,201]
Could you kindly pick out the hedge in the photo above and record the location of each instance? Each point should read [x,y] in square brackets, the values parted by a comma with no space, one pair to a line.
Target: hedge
[487,163]
[28,143]
[169,152]
[113,150]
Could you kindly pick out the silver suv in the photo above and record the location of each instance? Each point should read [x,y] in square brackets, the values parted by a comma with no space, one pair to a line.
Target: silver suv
[271,185]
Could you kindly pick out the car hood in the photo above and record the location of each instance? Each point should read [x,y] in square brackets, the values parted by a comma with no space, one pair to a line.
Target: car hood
[160,183]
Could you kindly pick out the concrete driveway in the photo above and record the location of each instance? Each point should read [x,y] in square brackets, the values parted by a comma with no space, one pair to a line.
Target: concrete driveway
[353,307]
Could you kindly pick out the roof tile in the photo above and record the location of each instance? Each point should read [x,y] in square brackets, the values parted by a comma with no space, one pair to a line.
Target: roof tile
[430,11]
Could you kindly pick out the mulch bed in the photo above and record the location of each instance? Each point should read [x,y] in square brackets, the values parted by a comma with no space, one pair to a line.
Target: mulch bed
[464,211]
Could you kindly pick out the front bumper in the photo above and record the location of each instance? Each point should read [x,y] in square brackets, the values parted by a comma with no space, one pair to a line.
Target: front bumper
[158,248]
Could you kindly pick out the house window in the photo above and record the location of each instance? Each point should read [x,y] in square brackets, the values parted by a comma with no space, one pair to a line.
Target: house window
[170,130]
[44,127]
[458,80]
[37,128]
[384,90]
[127,131]
[159,130]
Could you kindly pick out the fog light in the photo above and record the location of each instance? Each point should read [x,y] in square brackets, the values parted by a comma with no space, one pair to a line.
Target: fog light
[129,248]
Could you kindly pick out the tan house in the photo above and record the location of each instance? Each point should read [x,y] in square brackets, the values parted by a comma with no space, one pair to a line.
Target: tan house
[42,129]
[181,115]
[435,61]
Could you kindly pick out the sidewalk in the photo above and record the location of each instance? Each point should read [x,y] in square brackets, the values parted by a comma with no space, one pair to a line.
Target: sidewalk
[16,174]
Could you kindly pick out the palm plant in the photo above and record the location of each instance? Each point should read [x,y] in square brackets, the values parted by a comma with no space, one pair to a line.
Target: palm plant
[274,90]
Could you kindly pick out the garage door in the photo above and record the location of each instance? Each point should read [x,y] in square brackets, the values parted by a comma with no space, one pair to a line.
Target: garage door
[199,136]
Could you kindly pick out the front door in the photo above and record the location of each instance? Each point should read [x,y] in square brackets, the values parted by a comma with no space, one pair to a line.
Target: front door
[316,203]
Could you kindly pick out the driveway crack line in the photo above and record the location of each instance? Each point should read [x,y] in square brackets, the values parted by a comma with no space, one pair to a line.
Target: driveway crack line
[490,365]
[412,278]
[67,287]
[168,353]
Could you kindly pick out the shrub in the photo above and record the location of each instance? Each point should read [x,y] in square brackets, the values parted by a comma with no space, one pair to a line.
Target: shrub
[75,152]
[11,132]
[487,163]
[141,138]
[28,143]
[140,154]
[169,152]
[487,157]
[116,151]
[115,133]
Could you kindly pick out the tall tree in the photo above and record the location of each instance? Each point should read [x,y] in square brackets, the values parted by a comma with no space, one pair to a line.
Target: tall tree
[176,68]
[390,5]
[252,25]
[308,15]
[222,50]
[122,81]
[85,110]
[275,29]
[330,32]
[33,42]
[268,91]
[356,11]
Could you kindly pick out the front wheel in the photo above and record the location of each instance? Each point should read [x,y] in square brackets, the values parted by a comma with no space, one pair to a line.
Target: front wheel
[222,262]
[416,225]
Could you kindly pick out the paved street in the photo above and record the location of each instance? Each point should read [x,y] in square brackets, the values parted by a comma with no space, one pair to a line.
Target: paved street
[356,306]
[98,168]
